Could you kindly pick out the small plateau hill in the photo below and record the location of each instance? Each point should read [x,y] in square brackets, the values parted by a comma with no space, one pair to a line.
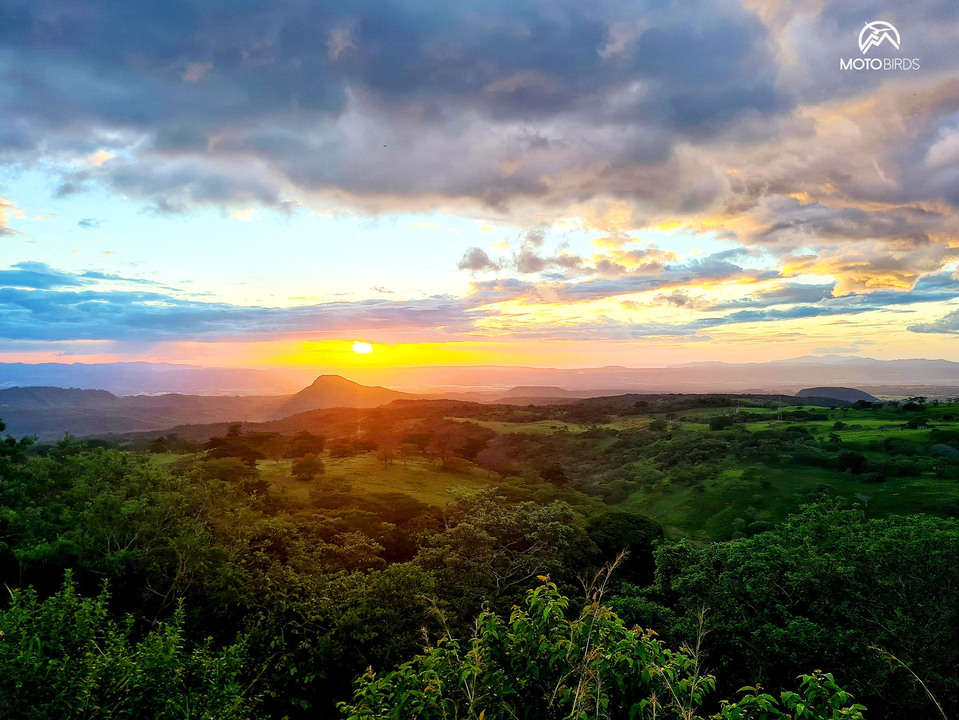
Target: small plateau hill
[845,394]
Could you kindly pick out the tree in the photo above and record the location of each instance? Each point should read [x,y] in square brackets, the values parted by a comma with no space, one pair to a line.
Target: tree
[554,473]
[386,456]
[493,548]
[64,657]
[823,589]
[853,461]
[158,445]
[233,445]
[539,664]
[341,450]
[14,449]
[494,458]
[616,531]
[453,439]
[307,467]
[305,443]
[721,422]
[406,450]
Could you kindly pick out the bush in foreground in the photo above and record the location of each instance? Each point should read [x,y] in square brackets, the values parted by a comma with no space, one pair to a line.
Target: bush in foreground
[540,665]
[63,657]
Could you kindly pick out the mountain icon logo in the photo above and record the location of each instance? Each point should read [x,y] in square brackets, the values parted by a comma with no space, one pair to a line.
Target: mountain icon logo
[877,32]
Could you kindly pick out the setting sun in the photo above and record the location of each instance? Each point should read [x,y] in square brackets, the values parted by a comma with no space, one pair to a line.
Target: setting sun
[362,348]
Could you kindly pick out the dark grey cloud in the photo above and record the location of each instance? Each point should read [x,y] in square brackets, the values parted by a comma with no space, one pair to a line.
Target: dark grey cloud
[376,98]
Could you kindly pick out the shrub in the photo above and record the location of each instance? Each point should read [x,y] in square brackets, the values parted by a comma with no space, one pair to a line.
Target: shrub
[540,664]
[63,657]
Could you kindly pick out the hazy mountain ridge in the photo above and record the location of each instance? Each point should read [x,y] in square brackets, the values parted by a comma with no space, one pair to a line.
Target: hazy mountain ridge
[138,378]
[495,381]
[787,376]
[50,411]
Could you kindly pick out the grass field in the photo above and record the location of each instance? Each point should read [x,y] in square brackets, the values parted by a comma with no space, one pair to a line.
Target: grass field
[418,478]
[426,481]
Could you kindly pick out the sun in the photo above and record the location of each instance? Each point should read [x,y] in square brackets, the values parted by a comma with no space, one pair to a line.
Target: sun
[362,348]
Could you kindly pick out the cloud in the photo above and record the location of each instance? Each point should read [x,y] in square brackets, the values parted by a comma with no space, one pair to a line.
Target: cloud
[476,259]
[57,313]
[196,72]
[619,263]
[99,157]
[7,211]
[36,275]
[533,102]
[245,215]
[626,116]
[89,223]
[681,299]
[42,304]
[948,324]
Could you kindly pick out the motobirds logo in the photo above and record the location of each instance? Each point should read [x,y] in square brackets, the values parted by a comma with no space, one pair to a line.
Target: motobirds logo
[878,35]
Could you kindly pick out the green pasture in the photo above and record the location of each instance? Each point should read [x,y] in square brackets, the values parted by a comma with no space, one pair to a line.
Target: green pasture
[418,478]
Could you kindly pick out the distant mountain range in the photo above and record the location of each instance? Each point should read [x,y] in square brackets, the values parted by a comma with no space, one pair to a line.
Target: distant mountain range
[49,412]
[125,403]
[879,377]
[144,378]
[883,377]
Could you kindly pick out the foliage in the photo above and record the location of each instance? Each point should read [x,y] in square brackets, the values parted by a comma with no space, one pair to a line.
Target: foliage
[327,577]
[64,657]
[493,549]
[306,467]
[540,664]
[823,590]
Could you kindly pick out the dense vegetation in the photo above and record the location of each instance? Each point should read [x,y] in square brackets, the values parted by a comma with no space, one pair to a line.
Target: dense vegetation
[260,571]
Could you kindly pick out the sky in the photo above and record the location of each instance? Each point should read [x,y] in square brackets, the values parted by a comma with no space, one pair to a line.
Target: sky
[565,184]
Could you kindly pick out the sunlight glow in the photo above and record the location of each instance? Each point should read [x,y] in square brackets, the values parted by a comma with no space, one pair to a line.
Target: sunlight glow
[362,348]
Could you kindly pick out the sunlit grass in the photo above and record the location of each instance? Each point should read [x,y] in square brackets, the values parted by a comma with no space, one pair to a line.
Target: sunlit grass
[418,478]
